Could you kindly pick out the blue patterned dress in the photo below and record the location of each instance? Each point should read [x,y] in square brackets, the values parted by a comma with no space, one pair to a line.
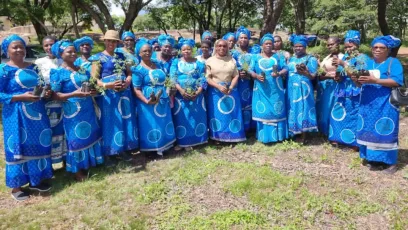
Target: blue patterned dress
[80,123]
[85,64]
[378,119]
[224,111]
[118,117]
[27,131]
[164,65]
[269,110]
[156,128]
[325,96]
[301,104]
[344,115]
[190,117]
[129,56]
[245,86]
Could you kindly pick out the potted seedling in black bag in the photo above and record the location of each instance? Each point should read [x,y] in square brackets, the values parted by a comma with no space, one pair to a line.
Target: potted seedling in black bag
[38,89]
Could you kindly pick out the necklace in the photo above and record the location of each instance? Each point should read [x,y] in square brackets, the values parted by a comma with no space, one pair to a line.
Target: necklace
[149,66]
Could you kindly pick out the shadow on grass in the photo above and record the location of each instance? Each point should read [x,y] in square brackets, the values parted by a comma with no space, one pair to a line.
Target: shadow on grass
[402,158]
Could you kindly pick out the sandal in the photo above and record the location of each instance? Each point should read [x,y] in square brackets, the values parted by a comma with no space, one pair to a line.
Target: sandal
[20,195]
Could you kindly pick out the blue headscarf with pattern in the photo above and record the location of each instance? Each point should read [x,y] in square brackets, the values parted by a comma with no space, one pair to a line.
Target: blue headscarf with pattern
[60,46]
[165,39]
[8,40]
[242,30]
[389,41]
[142,42]
[267,37]
[206,34]
[228,35]
[127,34]
[84,40]
[187,42]
[352,36]
[153,40]
[299,39]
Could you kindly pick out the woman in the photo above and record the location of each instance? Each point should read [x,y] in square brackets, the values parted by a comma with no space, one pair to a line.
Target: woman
[378,119]
[327,84]
[301,105]
[54,108]
[128,50]
[205,49]
[189,112]
[268,99]
[26,127]
[84,45]
[80,122]
[118,119]
[230,38]
[243,54]
[155,44]
[165,56]
[206,36]
[277,48]
[344,115]
[224,105]
[156,125]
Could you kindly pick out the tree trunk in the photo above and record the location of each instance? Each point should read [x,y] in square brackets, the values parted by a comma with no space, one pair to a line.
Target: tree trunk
[130,15]
[381,17]
[74,19]
[39,29]
[106,14]
[95,16]
[300,16]
[272,12]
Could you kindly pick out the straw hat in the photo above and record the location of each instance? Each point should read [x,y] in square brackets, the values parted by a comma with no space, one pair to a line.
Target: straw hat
[111,35]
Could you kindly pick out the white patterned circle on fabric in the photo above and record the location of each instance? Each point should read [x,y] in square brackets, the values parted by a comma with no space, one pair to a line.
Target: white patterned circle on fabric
[246,94]
[312,114]
[226,104]
[30,113]
[45,137]
[266,64]
[300,119]
[23,135]
[181,132]
[279,83]
[235,126]
[260,107]
[177,106]
[186,67]
[278,107]
[24,168]
[274,135]
[136,133]
[154,136]
[170,128]
[360,123]
[338,112]
[307,90]
[203,104]
[347,136]
[157,76]
[72,77]
[71,109]
[200,129]
[119,138]
[125,107]
[83,130]
[159,110]
[331,131]
[10,143]
[215,125]
[42,164]
[26,78]
[384,126]
[79,157]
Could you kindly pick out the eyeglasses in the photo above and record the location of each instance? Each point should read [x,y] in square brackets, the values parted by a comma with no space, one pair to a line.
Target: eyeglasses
[379,48]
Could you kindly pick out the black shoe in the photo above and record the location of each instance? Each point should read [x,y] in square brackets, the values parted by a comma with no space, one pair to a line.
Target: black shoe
[20,195]
[43,187]
[391,169]
[126,156]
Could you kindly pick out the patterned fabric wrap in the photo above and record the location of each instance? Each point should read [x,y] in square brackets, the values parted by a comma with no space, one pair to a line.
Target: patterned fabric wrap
[84,40]
[8,40]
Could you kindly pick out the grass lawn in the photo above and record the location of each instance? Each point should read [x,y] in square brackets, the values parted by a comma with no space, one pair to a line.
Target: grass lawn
[243,186]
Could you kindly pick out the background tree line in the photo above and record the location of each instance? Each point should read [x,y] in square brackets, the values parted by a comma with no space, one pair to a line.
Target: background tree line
[371,17]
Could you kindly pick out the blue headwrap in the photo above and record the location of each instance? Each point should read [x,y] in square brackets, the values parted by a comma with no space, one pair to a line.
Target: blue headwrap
[255,49]
[299,39]
[228,35]
[388,40]
[206,34]
[127,34]
[165,39]
[352,36]
[139,45]
[267,37]
[188,42]
[242,30]
[84,40]
[60,46]
[153,40]
[8,40]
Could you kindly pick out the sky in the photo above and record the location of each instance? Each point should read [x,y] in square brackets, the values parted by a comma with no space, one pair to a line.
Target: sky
[119,12]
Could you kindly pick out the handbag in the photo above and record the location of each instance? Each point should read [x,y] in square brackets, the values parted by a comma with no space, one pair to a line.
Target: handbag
[399,95]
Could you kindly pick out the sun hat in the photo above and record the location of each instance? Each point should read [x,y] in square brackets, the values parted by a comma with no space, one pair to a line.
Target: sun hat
[111,35]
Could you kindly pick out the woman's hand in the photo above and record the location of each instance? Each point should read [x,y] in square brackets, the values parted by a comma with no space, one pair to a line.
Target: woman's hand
[27,97]
[304,71]
[93,92]
[260,78]
[336,61]
[184,94]
[273,74]
[243,74]
[223,89]
[338,77]
[79,93]
[367,79]
[152,101]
